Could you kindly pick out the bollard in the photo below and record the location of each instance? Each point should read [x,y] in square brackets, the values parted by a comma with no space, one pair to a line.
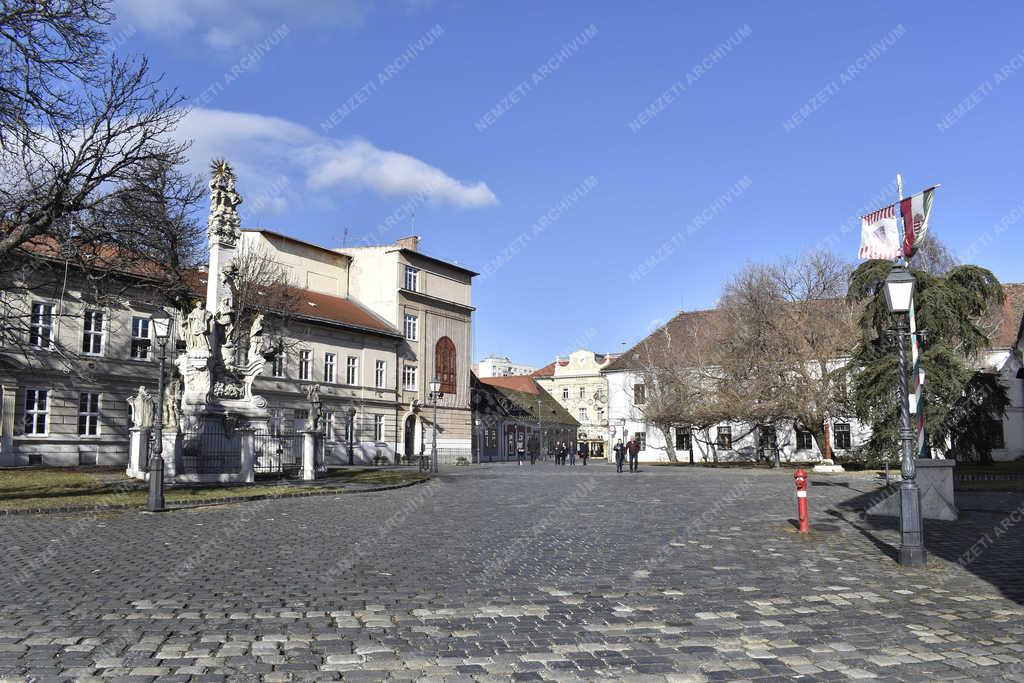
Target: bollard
[801,498]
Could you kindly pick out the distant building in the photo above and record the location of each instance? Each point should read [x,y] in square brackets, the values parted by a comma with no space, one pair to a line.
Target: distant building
[577,384]
[511,412]
[500,366]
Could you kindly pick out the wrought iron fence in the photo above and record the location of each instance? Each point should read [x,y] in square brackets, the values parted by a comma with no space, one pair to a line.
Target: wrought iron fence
[211,452]
[277,453]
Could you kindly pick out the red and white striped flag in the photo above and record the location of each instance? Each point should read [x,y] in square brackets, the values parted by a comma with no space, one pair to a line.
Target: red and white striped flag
[879,234]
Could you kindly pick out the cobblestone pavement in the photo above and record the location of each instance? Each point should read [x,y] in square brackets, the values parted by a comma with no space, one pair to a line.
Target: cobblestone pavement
[502,572]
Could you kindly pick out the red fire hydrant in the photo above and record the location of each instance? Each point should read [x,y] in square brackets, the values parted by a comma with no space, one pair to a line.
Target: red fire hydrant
[801,498]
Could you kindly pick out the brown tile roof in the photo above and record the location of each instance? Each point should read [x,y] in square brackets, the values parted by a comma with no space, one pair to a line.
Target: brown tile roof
[318,306]
[1008,320]
[522,383]
[529,402]
[546,371]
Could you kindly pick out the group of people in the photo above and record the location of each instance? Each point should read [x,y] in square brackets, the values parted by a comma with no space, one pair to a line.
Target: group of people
[563,452]
[630,448]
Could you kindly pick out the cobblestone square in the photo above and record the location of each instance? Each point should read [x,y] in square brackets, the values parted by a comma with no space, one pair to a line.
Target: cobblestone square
[506,572]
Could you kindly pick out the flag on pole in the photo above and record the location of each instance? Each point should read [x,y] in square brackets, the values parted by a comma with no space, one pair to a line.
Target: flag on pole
[879,234]
[915,211]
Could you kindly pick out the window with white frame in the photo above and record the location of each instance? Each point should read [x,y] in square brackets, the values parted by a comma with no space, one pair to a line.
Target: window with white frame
[842,431]
[92,333]
[276,421]
[378,427]
[409,378]
[583,392]
[329,419]
[305,363]
[380,374]
[583,415]
[352,370]
[88,414]
[804,440]
[565,393]
[37,411]
[600,414]
[277,366]
[329,367]
[140,338]
[724,439]
[40,332]
[639,394]
[411,278]
[411,323]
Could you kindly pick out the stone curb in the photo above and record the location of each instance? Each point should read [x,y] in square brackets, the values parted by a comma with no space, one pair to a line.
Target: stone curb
[68,509]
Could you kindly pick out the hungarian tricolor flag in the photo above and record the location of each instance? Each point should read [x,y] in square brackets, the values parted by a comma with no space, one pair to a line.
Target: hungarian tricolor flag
[879,234]
[915,211]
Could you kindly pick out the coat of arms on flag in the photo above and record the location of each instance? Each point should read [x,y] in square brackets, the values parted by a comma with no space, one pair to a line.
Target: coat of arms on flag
[915,211]
[879,234]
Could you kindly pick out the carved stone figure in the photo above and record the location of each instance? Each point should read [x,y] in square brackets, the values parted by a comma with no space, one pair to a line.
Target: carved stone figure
[256,339]
[224,223]
[315,419]
[197,328]
[143,408]
[172,403]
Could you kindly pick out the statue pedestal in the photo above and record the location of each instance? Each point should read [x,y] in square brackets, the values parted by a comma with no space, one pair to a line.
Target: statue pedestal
[138,452]
[935,482]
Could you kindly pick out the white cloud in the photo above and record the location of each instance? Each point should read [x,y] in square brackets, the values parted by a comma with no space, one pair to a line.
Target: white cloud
[264,149]
[229,24]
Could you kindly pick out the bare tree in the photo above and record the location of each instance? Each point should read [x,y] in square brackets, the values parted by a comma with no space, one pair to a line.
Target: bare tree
[89,164]
[790,334]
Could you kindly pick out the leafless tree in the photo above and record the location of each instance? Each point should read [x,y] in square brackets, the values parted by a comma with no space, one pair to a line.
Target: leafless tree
[789,337]
[89,164]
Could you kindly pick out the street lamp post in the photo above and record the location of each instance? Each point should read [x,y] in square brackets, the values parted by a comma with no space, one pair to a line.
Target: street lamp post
[155,502]
[351,413]
[435,396]
[899,294]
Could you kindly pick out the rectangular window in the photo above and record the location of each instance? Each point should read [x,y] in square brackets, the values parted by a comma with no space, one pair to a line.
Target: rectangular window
[92,333]
[490,438]
[996,436]
[37,411]
[277,366]
[352,370]
[641,438]
[88,414]
[409,378]
[565,393]
[140,338]
[639,394]
[804,440]
[600,414]
[411,277]
[276,421]
[305,363]
[684,439]
[411,323]
[583,392]
[329,368]
[378,427]
[842,432]
[583,414]
[380,374]
[40,333]
[725,438]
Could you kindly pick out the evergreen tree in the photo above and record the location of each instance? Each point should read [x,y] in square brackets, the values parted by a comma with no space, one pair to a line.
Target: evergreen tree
[960,402]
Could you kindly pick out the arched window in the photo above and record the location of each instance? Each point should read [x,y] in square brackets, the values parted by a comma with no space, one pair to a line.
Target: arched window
[444,364]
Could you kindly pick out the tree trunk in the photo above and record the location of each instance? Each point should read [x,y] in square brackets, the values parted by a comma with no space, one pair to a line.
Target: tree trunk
[821,438]
[691,448]
[670,446]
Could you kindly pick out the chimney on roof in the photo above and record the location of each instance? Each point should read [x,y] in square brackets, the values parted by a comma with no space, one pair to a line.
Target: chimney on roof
[412,243]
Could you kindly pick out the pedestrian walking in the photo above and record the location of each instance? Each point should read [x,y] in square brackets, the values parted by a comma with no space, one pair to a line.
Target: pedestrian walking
[562,453]
[572,456]
[633,448]
[520,453]
[534,446]
[584,452]
[620,455]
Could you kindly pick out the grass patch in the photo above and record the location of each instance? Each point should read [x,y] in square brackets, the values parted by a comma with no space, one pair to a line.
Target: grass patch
[102,487]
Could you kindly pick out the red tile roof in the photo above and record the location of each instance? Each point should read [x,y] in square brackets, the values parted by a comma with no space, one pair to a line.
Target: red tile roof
[546,371]
[1008,320]
[523,383]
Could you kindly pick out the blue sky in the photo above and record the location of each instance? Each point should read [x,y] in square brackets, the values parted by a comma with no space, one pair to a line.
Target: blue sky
[932,91]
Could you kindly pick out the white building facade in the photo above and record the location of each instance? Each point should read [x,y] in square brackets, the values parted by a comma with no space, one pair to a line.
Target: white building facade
[501,366]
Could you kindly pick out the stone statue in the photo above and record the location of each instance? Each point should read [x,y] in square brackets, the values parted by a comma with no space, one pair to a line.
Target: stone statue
[226,320]
[197,328]
[316,410]
[224,223]
[256,338]
[172,403]
[143,408]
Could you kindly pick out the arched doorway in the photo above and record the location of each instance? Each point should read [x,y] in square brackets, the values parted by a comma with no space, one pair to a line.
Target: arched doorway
[410,436]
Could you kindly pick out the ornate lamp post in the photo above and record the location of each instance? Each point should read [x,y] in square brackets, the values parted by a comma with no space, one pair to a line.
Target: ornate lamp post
[351,413]
[155,503]
[435,396]
[899,293]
